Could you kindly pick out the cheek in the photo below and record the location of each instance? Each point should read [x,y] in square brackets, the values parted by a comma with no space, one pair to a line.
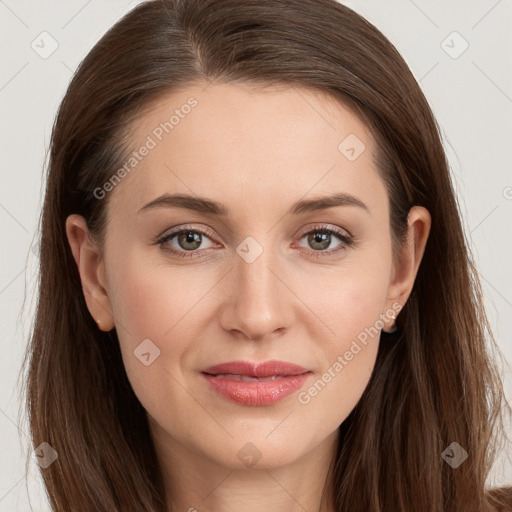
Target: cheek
[351,306]
[165,305]
[350,299]
[348,359]
[154,308]
[151,299]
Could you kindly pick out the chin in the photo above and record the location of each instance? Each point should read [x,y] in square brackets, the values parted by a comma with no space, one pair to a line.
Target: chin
[249,453]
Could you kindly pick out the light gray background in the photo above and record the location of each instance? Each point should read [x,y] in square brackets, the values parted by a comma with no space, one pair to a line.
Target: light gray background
[471,95]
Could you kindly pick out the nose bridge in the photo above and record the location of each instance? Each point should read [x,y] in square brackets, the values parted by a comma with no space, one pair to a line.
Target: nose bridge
[253,266]
[252,269]
[257,305]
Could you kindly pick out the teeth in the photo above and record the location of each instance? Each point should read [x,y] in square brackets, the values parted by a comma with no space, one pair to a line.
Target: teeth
[246,378]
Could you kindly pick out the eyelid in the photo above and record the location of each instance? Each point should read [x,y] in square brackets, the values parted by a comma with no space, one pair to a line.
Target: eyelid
[211,234]
[185,227]
[196,254]
[345,237]
[328,227]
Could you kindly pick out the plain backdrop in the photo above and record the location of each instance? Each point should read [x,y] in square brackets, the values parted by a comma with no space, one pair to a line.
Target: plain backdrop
[459,51]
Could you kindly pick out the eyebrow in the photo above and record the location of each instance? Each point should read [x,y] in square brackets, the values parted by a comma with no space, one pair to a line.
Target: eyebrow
[204,205]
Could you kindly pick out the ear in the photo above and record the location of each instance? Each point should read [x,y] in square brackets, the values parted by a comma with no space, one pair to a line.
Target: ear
[408,259]
[91,268]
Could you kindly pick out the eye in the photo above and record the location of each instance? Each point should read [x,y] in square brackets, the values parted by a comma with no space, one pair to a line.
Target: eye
[188,241]
[321,237]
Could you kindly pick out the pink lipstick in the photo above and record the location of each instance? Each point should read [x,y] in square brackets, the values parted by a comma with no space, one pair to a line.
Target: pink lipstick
[256,384]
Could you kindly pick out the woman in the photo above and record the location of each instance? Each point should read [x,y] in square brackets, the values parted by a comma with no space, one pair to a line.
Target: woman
[255,290]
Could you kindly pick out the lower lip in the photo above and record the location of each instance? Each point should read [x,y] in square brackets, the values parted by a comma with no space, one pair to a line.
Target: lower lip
[258,393]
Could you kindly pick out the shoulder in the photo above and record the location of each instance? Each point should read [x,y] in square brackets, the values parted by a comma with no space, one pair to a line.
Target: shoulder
[500,499]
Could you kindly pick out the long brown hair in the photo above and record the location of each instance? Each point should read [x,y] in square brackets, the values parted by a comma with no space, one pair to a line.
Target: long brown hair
[436,383]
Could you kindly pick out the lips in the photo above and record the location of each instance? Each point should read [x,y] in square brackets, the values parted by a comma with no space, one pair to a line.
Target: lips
[262,370]
[246,378]
[257,385]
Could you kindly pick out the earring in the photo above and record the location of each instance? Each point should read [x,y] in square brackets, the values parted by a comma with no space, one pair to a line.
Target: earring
[393,329]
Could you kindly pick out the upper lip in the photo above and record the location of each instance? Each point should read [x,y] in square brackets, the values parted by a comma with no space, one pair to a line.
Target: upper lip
[265,369]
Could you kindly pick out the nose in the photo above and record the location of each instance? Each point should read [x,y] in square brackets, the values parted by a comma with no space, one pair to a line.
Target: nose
[259,297]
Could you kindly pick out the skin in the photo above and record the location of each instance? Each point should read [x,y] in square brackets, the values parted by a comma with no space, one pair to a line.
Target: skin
[257,151]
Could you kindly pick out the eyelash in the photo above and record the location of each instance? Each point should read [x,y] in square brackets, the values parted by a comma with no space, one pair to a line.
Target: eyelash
[347,241]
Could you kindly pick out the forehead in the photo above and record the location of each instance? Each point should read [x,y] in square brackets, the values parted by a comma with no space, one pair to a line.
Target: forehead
[236,140]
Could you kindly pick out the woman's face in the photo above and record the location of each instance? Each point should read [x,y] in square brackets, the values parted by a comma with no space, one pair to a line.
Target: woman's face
[271,273]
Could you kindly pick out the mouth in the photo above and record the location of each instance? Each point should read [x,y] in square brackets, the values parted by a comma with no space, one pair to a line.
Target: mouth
[246,378]
[255,384]
[271,368]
